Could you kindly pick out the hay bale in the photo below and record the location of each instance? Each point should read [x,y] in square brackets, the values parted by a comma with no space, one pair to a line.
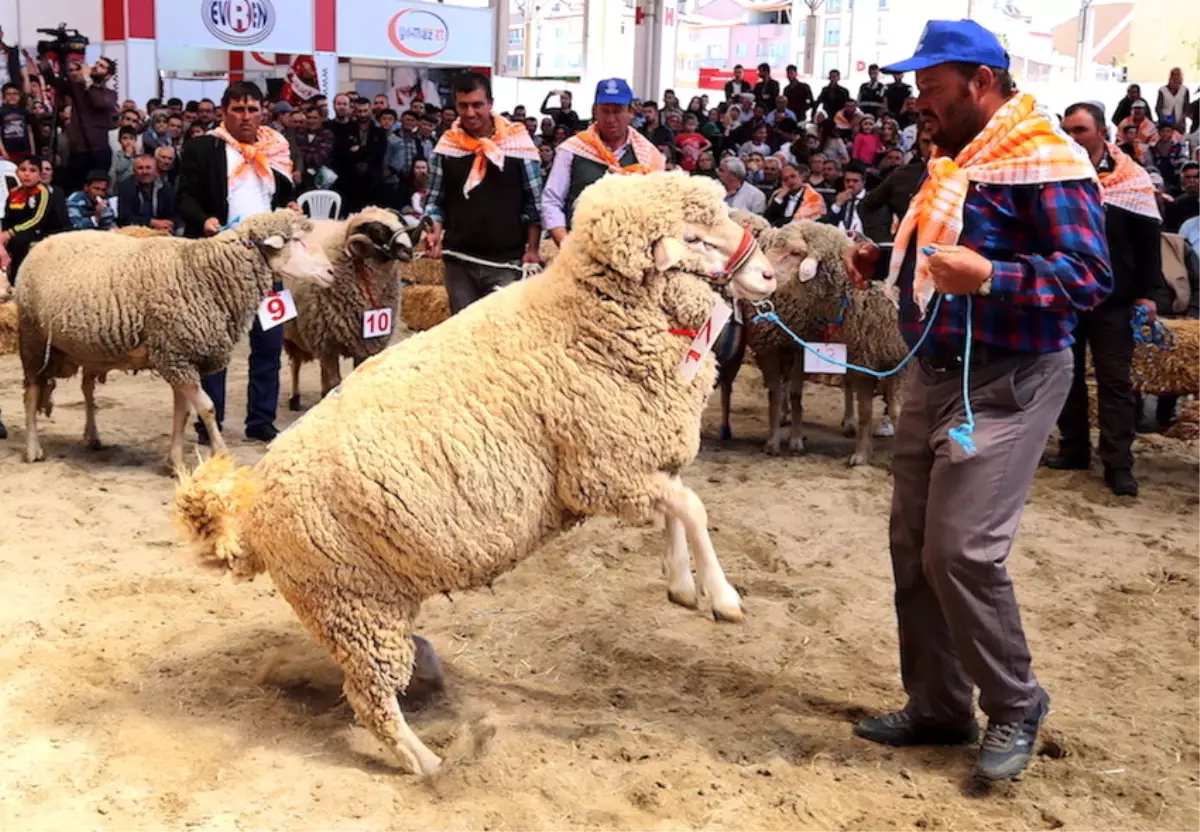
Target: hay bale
[140,231]
[8,328]
[1188,426]
[424,307]
[423,272]
[1174,371]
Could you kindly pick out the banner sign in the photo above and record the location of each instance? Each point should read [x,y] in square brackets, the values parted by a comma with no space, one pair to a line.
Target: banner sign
[414,33]
[241,25]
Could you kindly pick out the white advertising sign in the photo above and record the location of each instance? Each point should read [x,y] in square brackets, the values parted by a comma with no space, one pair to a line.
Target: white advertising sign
[414,33]
[240,25]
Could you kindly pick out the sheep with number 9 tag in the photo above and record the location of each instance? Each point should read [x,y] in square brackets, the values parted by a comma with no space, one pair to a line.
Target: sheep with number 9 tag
[276,308]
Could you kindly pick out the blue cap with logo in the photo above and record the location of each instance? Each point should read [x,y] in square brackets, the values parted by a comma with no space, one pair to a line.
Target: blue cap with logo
[613,91]
[954,41]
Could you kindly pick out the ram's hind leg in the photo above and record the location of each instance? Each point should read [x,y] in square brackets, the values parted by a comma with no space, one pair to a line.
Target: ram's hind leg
[91,434]
[372,641]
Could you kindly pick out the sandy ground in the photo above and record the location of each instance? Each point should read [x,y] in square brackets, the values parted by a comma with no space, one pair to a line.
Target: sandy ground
[138,692]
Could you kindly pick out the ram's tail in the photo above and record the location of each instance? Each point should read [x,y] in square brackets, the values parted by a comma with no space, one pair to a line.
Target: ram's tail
[210,504]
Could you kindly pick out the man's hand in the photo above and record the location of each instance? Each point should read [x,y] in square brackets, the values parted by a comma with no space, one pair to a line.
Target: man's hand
[531,256]
[1151,309]
[842,198]
[100,206]
[957,270]
[5,261]
[433,242]
[295,206]
[211,226]
[163,225]
[860,263]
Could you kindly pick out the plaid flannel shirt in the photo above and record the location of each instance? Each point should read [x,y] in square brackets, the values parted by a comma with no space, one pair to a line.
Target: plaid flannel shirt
[531,181]
[1050,254]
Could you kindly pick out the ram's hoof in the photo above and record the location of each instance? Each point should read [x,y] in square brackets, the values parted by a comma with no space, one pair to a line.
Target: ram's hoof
[294,402]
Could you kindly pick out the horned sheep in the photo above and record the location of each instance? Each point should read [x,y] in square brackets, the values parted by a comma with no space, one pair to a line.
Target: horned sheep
[365,250]
[95,302]
[445,460]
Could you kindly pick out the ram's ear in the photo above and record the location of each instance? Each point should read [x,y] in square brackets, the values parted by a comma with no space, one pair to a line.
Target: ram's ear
[275,242]
[668,252]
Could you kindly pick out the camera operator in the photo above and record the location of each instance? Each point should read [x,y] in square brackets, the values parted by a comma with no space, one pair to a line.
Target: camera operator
[93,114]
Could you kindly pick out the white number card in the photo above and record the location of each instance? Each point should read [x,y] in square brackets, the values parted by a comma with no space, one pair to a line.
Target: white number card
[814,363]
[377,323]
[276,308]
[705,338]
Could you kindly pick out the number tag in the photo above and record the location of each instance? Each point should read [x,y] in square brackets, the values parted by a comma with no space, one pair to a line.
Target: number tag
[276,308]
[704,339]
[377,323]
[822,363]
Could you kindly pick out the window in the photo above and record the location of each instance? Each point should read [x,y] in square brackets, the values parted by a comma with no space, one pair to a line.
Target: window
[760,51]
[833,32]
[776,52]
[559,61]
[829,62]
[883,4]
[515,62]
[516,35]
[803,30]
[833,6]
[715,52]
[739,51]
[880,31]
[560,33]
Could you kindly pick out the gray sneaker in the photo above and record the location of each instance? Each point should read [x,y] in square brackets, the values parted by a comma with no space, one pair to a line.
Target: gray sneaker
[1008,746]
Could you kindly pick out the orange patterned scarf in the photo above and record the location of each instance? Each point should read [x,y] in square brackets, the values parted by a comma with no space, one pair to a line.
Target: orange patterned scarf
[589,145]
[1020,145]
[508,139]
[842,123]
[1128,186]
[270,151]
[812,205]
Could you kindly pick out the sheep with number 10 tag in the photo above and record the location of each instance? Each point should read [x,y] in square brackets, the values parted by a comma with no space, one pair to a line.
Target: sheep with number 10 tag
[377,323]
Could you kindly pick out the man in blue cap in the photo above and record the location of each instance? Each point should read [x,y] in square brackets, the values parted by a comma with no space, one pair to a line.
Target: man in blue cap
[1007,227]
[609,145]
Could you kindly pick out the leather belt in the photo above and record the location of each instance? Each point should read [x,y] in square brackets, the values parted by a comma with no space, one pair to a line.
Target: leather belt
[942,363]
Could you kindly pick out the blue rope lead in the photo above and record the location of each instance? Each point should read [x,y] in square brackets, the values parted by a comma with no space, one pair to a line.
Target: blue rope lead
[961,434]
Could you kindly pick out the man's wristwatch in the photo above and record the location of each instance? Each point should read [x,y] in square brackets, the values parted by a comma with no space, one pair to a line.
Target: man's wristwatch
[985,288]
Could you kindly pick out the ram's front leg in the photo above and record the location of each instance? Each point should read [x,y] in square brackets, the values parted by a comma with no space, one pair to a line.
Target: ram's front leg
[687,518]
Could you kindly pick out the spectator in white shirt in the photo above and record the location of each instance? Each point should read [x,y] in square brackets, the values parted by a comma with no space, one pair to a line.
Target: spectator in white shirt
[757,144]
[780,112]
[738,192]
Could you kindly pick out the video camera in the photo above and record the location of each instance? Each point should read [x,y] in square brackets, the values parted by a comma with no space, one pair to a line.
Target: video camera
[67,45]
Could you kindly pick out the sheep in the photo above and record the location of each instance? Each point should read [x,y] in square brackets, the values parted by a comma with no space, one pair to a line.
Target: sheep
[1174,370]
[443,461]
[98,302]
[364,250]
[810,305]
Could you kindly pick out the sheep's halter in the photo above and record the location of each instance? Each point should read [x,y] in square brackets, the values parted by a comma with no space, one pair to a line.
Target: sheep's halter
[737,261]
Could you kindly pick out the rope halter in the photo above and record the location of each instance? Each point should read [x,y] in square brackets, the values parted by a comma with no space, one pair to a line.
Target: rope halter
[737,261]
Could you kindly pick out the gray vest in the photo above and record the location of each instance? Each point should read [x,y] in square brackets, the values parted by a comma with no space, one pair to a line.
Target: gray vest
[584,172]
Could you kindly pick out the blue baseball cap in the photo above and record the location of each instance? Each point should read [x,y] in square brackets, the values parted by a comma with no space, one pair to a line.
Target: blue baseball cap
[613,91]
[954,41]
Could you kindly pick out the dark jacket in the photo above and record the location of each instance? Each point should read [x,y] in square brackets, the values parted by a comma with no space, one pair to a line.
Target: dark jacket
[203,189]
[893,194]
[1175,213]
[93,114]
[349,152]
[833,98]
[799,98]
[765,93]
[733,88]
[163,197]
[1135,251]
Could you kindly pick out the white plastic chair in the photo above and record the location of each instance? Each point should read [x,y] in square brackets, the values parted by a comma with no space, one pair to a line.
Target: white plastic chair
[322,205]
[8,170]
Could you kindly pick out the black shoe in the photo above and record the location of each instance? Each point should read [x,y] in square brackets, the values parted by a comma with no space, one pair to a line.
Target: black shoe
[262,433]
[1008,747]
[1122,481]
[202,438]
[900,729]
[294,402]
[1067,462]
[3,431]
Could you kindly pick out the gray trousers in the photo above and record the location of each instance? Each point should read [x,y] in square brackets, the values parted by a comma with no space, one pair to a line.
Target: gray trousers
[1107,332]
[468,282]
[953,521]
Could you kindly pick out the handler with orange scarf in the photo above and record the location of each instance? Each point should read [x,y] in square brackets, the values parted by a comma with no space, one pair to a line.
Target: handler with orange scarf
[485,183]
[1134,230]
[610,145]
[237,170]
[1010,218]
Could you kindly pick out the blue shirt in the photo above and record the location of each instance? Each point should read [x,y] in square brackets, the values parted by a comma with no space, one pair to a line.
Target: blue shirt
[1050,254]
[82,213]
